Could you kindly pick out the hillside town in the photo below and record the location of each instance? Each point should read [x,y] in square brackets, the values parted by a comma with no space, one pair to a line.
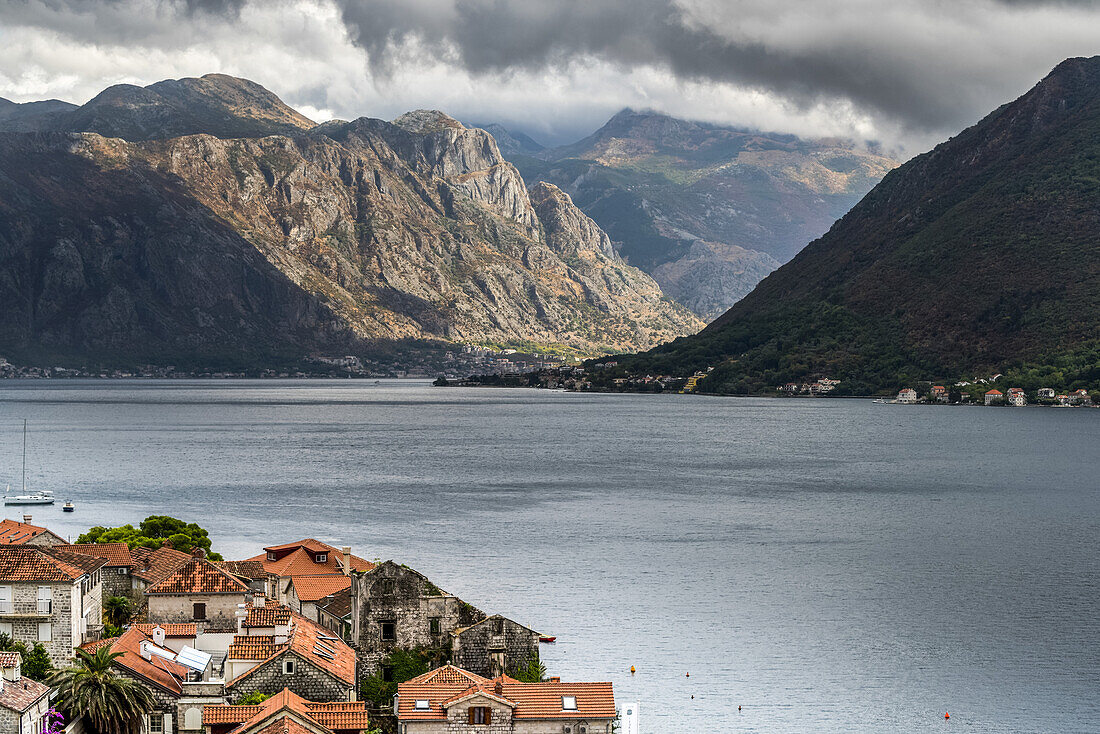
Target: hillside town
[301,638]
[974,393]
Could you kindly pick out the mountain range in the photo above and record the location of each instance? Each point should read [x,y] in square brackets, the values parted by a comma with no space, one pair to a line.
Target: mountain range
[980,256]
[707,210]
[203,219]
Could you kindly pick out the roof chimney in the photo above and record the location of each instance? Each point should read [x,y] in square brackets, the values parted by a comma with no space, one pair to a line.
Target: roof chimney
[555,679]
[198,552]
[346,550]
[27,519]
[498,688]
[158,636]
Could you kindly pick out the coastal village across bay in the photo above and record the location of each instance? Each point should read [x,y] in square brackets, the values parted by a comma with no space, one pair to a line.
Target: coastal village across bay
[303,637]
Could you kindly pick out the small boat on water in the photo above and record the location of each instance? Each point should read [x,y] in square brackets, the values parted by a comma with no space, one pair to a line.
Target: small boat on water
[34,498]
[68,507]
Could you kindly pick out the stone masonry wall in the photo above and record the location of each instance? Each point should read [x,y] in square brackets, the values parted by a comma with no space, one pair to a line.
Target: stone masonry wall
[494,646]
[307,680]
[115,584]
[221,609]
[25,628]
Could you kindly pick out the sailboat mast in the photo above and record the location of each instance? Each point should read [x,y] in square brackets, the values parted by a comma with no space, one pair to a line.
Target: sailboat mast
[24,456]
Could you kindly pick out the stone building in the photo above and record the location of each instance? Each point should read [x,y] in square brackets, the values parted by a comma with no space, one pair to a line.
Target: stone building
[24,703]
[494,646]
[334,613]
[116,570]
[13,532]
[303,593]
[180,691]
[288,712]
[307,557]
[50,596]
[198,591]
[300,655]
[450,700]
[393,606]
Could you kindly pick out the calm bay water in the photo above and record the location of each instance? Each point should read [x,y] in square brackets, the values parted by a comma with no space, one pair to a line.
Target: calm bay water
[828,565]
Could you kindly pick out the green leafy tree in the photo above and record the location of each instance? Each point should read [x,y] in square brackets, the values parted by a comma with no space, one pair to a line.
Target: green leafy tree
[398,667]
[92,690]
[252,699]
[118,610]
[153,532]
[36,663]
[530,671]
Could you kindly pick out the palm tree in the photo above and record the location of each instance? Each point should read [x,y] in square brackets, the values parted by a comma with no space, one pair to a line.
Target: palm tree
[118,610]
[109,702]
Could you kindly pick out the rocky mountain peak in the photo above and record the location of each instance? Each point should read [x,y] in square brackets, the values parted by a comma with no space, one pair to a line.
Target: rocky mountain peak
[568,229]
[424,122]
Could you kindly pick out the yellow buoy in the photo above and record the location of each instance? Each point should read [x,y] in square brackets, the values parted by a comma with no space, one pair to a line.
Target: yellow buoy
[632,670]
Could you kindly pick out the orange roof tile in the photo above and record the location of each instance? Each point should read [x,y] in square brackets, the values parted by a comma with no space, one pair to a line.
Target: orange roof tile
[177,629]
[93,645]
[10,659]
[22,695]
[153,564]
[341,715]
[13,532]
[36,563]
[299,559]
[252,647]
[165,674]
[244,569]
[116,554]
[269,615]
[315,644]
[198,576]
[450,685]
[313,588]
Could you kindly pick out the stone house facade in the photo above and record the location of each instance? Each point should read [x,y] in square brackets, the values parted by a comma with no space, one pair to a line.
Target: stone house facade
[200,592]
[494,646]
[24,703]
[118,565]
[50,596]
[393,606]
[450,700]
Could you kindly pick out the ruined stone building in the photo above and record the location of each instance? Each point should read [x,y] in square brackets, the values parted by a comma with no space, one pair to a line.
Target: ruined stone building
[494,646]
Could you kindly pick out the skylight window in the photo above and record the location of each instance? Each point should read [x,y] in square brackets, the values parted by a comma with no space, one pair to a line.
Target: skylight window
[569,703]
[422,705]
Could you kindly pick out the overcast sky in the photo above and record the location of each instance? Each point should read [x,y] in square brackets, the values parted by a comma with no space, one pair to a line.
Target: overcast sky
[905,73]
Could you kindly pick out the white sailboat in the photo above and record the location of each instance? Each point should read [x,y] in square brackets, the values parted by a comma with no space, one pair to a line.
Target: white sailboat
[34,498]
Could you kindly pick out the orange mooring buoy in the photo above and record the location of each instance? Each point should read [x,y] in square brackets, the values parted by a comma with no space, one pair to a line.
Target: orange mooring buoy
[947,715]
[632,670]
[738,708]
[687,675]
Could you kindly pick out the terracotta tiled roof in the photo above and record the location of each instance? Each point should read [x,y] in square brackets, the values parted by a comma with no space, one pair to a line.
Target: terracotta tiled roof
[299,559]
[9,659]
[312,588]
[33,563]
[165,674]
[244,569]
[22,694]
[315,644]
[177,629]
[252,647]
[994,392]
[338,715]
[269,615]
[93,645]
[13,532]
[153,564]
[116,554]
[198,576]
[540,701]
[338,604]
[84,562]
[282,725]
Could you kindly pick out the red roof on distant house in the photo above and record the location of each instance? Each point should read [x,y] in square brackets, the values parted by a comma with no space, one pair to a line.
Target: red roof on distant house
[13,532]
[153,564]
[314,588]
[994,392]
[282,708]
[268,615]
[116,554]
[198,576]
[300,559]
[450,685]
[41,563]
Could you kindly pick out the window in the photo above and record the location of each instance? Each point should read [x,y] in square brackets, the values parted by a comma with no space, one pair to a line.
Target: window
[45,600]
[5,600]
[122,571]
[569,703]
[271,556]
[389,630]
[433,625]
[479,715]
[322,557]
[45,632]
[5,628]
[387,586]
[199,611]
[422,705]
[288,667]
[156,723]
[498,626]
[387,674]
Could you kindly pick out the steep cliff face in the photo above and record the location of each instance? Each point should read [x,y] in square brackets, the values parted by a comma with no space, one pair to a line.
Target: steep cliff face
[338,237]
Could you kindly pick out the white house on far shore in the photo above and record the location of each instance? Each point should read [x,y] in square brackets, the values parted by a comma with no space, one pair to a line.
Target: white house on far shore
[907,396]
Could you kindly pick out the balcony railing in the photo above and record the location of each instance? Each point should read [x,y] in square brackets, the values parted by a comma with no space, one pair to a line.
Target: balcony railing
[26,609]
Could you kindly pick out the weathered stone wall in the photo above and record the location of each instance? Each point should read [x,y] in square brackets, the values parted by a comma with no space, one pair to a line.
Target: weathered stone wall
[494,646]
[307,680]
[63,624]
[393,593]
[114,583]
[221,609]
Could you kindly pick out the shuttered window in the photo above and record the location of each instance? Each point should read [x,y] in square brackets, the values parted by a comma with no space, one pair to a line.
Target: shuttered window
[200,611]
[479,715]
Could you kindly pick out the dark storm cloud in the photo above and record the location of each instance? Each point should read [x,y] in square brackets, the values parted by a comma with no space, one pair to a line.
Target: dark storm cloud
[893,71]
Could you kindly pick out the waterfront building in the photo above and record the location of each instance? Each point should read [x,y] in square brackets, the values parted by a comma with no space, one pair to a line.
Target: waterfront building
[994,396]
[494,646]
[1046,392]
[907,396]
[453,700]
[306,557]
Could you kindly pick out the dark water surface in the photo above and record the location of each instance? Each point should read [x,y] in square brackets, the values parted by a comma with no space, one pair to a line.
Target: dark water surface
[828,565]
